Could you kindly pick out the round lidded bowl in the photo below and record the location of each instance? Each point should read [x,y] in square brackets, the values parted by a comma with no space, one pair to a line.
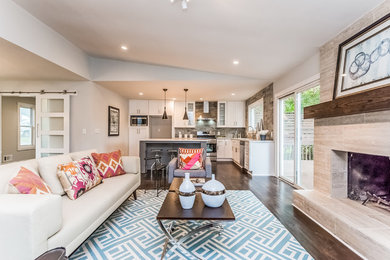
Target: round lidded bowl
[213,193]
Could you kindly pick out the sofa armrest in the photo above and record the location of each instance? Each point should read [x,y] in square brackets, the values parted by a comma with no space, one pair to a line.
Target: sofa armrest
[26,223]
[131,164]
[172,166]
[208,167]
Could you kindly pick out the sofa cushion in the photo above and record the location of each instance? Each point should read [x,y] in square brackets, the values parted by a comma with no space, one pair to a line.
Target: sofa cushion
[10,170]
[78,177]
[27,182]
[109,164]
[100,202]
[48,171]
[193,173]
[79,155]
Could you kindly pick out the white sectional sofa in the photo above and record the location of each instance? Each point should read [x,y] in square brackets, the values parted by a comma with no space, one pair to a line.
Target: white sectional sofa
[33,224]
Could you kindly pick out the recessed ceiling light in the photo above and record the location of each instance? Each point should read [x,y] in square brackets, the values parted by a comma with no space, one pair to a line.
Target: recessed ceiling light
[174,98]
[236,62]
[201,98]
[233,94]
[124,47]
[141,94]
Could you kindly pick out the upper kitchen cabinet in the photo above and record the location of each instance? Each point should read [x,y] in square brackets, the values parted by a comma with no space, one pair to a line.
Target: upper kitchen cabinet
[138,107]
[222,112]
[231,114]
[179,113]
[156,107]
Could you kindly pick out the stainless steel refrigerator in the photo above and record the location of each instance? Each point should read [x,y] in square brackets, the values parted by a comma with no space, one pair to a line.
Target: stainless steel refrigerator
[160,128]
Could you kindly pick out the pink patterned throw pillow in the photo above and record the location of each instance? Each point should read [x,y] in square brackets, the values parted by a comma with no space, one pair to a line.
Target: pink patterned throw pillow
[109,164]
[78,177]
[190,159]
[28,182]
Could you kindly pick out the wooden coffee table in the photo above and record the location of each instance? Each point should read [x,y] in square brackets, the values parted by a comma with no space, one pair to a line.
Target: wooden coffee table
[171,211]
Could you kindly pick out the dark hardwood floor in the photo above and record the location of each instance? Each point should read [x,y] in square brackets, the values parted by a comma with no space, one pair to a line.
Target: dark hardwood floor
[277,197]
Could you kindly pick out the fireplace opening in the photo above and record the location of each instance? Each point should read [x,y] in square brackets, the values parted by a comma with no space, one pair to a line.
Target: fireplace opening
[369,178]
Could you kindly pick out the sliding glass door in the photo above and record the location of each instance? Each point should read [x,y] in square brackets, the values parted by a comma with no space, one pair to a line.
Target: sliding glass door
[296,137]
[287,138]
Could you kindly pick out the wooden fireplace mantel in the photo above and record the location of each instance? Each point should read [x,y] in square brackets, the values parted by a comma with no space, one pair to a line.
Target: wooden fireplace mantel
[365,102]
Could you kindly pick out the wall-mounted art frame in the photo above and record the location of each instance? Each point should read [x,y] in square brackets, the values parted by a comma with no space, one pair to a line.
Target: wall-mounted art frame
[363,61]
[113,121]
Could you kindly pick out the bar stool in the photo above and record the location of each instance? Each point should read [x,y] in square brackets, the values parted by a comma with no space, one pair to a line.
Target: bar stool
[173,153]
[159,170]
[156,155]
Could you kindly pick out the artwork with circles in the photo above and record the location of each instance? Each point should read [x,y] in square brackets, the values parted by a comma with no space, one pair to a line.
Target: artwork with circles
[364,60]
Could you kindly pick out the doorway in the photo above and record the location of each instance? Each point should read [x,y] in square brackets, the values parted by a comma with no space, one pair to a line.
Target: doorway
[296,136]
[33,126]
[18,128]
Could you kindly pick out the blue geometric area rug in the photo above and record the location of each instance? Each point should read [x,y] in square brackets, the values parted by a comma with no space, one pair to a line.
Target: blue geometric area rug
[132,232]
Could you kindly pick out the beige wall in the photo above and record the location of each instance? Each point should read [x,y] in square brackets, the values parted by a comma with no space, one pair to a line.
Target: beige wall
[328,52]
[88,110]
[9,117]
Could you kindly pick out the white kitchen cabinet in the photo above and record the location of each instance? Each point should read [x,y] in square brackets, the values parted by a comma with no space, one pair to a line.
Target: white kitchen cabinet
[222,113]
[235,116]
[260,157]
[138,107]
[135,135]
[179,113]
[224,149]
[236,151]
[156,107]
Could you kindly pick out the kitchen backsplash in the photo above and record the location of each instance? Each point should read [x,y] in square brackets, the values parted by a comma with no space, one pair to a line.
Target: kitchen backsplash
[224,132]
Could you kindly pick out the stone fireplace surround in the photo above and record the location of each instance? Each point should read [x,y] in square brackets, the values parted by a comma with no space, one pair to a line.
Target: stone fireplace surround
[366,230]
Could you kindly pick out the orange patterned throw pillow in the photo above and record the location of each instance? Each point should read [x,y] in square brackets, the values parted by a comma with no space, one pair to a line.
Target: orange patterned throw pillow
[28,182]
[109,164]
[191,159]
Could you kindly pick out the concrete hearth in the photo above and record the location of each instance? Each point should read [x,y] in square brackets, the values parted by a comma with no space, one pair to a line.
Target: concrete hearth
[365,229]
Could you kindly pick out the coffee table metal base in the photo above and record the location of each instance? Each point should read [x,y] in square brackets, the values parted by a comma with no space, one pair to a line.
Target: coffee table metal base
[214,226]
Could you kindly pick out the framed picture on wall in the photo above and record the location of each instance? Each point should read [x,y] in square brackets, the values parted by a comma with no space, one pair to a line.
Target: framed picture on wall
[364,60]
[113,121]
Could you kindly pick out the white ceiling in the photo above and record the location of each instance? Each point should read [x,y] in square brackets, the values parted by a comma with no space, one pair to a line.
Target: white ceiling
[208,90]
[268,37]
[20,64]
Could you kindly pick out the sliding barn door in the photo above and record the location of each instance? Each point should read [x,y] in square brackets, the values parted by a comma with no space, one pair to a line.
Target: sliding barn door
[52,124]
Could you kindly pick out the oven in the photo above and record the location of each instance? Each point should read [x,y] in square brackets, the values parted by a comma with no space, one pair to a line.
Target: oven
[138,120]
[211,149]
[211,144]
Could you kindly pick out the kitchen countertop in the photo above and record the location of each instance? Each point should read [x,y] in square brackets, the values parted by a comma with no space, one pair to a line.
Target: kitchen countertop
[246,140]
[174,140]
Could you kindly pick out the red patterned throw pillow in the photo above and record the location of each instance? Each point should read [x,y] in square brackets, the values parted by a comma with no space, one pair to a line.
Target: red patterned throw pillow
[28,182]
[109,164]
[78,177]
[191,159]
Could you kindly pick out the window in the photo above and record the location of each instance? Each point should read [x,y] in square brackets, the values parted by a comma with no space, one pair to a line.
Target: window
[255,115]
[26,118]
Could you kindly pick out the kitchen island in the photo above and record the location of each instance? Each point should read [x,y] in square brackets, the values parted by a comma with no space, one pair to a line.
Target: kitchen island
[151,147]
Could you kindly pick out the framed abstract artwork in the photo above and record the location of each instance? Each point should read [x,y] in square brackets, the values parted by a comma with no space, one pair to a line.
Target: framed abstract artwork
[113,121]
[363,61]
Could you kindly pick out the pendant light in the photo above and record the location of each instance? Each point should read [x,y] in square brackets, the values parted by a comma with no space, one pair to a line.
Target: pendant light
[165,116]
[185,117]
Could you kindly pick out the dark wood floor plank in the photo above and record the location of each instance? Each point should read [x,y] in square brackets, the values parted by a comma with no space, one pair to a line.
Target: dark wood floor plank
[276,195]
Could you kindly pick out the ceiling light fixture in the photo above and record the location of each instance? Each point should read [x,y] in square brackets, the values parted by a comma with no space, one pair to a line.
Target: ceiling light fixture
[124,47]
[165,116]
[236,62]
[185,117]
[184,4]
[233,94]
[201,98]
[141,94]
